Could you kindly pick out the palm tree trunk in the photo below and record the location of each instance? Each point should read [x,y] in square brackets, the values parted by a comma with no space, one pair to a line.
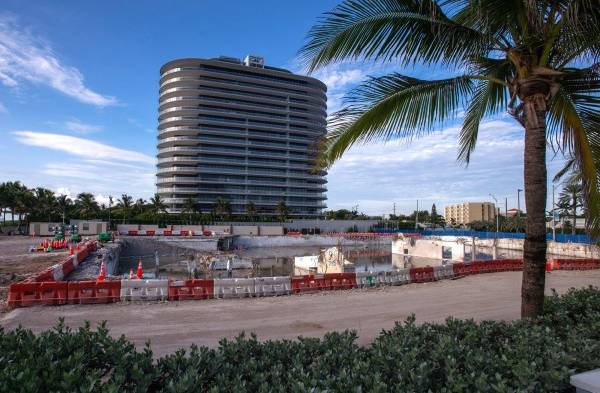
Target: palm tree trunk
[534,248]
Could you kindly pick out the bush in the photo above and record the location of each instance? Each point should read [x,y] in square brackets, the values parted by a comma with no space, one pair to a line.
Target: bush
[455,356]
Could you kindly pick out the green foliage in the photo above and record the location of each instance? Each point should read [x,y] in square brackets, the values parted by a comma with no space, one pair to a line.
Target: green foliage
[455,356]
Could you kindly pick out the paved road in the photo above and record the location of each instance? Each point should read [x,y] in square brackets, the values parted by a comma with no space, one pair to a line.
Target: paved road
[172,325]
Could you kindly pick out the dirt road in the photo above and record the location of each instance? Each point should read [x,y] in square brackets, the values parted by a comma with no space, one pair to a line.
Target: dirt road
[17,263]
[172,325]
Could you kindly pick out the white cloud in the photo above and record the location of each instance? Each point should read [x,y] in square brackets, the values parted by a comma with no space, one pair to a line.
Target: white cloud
[26,57]
[80,147]
[377,175]
[80,127]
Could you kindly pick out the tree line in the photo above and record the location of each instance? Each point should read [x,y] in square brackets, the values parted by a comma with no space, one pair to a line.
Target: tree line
[26,205]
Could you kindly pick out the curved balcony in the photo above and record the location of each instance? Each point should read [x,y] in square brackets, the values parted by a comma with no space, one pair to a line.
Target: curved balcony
[177,170]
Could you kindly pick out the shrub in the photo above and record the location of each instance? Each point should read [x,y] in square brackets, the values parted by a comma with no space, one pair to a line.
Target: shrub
[454,356]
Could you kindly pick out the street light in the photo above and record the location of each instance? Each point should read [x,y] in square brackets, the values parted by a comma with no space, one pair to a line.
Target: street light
[496,213]
[519,202]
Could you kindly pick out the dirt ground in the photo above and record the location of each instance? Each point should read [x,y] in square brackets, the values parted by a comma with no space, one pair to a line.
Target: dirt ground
[172,325]
[17,263]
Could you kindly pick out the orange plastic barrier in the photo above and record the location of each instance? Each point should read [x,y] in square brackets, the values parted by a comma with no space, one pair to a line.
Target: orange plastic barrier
[576,264]
[191,289]
[339,281]
[150,233]
[306,283]
[94,292]
[422,274]
[185,233]
[132,233]
[167,233]
[26,294]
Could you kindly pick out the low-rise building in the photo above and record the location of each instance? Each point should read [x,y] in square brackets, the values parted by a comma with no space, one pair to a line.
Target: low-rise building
[465,213]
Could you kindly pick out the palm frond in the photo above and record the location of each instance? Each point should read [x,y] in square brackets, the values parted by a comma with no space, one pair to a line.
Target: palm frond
[404,30]
[394,107]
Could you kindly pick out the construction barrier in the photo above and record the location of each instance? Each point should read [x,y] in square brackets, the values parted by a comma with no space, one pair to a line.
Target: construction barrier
[132,290]
[94,292]
[167,233]
[339,280]
[191,289]
[272,286]
[27,294]
[576,264]
[132,233]
[150,233]
[443,272]
[234,288]
[305,283]
[422,274]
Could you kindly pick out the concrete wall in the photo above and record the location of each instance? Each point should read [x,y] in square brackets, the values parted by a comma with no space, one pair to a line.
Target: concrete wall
[88,228]
[124,228]
[270,230]
[245,230]
[430,247]
[298,241]
[330,225]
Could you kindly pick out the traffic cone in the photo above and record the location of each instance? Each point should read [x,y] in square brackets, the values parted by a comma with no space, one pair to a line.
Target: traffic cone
[77,247]
[140,273]
[70,250]
[131,276]
[102,274]
[548,266]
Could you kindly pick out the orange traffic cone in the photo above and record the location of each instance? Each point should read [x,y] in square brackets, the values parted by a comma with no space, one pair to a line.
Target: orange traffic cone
[140,272]
[70,250]
[102,274]
[131,276]
[77,247]
[548,266]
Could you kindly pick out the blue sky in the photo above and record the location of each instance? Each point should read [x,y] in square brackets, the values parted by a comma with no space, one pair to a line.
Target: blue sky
[79,91]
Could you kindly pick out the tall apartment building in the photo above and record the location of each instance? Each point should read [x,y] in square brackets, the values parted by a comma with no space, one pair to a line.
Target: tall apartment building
[241,131]
[465,213]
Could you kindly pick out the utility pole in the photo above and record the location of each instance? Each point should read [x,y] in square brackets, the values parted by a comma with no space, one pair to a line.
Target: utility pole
[417,216]
[506,207]
[519,202]
[497,222]
[394,208]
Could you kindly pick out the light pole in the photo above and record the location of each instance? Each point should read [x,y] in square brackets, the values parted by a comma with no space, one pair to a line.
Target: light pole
[519,202]
[417,216]
[496,213]
[553,220]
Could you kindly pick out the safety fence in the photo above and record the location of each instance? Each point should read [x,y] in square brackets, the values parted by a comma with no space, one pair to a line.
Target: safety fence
[32,293]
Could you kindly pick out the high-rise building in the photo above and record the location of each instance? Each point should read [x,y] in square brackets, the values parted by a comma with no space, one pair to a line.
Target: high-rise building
[242,132]
[465,213]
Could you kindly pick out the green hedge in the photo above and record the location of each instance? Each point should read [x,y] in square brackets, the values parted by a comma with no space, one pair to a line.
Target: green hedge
[455,356]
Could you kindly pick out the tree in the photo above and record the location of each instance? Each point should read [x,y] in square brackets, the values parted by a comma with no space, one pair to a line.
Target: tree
[572,196]
[282,210]
[63,204]
[110,203]
[139,206]
[189,206]
[222,208]
[86,204]
[251,210]
[528,57]
[125,204]
[436,219]
[44,203]
[157,204]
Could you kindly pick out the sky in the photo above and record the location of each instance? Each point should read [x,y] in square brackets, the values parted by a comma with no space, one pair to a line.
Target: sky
[79,94]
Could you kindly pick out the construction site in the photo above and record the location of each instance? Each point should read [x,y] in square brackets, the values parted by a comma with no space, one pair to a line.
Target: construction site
[140,282]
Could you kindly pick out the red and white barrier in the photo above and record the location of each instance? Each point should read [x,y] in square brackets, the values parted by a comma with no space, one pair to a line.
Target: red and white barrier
[48,289]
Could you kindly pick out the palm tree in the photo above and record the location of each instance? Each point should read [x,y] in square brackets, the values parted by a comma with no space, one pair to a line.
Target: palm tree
[86,204]
[529,57]
[189,206]
[282,210]
[125,204]
[571,196]
[63,203]
[45,202]
[222,208]
[4,201]
[250,210]
[158,206]
[110,203]
[140,205]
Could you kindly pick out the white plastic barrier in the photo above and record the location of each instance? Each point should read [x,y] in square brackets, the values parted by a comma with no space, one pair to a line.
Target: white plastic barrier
[57,272]
[272,286]
[443,272]
[234,287]
[144,290]
[364,279]
[399,277]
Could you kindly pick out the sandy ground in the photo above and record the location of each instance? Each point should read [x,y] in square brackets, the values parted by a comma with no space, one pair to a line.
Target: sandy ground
[172,325]
[17,263]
